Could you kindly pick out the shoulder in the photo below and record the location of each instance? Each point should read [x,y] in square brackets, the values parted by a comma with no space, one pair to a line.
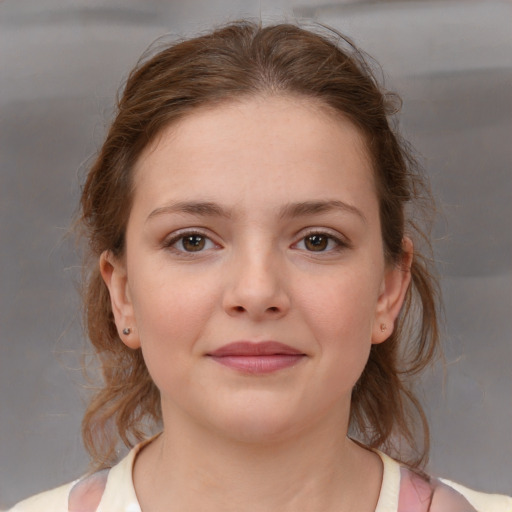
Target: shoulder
[109,490]
[83,495]
[405,490]
[422,493]
[55,500]
[482,502]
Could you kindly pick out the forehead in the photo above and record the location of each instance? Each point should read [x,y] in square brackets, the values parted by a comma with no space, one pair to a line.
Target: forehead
[277,146]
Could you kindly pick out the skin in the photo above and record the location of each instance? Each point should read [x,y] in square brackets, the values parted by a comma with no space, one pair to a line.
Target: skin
[256,442]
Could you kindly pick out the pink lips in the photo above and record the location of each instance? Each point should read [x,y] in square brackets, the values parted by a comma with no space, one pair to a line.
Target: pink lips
[257,358]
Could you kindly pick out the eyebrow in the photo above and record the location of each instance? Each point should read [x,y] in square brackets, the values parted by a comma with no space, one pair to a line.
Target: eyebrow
[301,209]
[319,207]
[199,208]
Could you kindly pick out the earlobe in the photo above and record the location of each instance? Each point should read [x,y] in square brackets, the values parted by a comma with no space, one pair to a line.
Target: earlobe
[113,272]
[395,285]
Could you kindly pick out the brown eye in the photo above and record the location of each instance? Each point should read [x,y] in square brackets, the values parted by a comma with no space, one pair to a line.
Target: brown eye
[193,243]
[316,242]
[189,242]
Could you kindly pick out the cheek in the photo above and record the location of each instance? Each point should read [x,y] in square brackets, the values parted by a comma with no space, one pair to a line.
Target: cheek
[340,315]
[171,311]
[344,306]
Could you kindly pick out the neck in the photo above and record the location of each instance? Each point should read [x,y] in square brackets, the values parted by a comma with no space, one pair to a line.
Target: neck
[316,469]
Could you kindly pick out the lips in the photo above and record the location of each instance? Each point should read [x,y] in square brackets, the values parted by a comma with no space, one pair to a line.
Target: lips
[257,358]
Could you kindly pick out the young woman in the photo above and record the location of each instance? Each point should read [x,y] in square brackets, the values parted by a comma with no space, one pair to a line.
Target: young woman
[256,289]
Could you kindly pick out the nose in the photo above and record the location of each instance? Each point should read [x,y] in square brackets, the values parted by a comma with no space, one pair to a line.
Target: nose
[256,287]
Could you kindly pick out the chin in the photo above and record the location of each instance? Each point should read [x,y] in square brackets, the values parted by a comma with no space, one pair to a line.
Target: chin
[259,432]
[258,423]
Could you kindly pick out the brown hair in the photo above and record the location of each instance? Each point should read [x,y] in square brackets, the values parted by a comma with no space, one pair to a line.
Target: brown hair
[239,60]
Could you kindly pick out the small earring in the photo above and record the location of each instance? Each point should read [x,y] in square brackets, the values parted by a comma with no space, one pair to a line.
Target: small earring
[126,331]
[383,327]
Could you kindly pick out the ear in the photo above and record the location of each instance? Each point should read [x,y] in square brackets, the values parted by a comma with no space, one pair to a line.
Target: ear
[397,279]
[113,271]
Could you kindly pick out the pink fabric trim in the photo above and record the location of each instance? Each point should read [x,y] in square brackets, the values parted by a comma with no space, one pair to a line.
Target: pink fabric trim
[422,494]
[85,496]
[416,492]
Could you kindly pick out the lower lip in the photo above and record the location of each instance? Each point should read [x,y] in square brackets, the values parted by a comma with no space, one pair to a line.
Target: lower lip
[258,365]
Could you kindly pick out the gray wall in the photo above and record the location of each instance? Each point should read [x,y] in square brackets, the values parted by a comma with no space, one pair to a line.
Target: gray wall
[61,63]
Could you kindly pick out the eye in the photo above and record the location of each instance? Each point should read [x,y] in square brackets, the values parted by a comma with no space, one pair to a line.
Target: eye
[319,242]
[316,242]
[190,242]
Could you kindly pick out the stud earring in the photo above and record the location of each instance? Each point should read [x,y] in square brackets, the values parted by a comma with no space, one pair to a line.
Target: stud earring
[126,331]
[383,327]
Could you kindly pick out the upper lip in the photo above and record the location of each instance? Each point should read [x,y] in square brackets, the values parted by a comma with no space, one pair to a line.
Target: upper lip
[248,348]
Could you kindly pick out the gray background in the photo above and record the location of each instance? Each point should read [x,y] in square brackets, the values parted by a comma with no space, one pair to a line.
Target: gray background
[61,63]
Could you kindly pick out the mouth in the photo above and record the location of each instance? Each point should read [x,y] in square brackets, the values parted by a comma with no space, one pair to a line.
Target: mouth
[257,358]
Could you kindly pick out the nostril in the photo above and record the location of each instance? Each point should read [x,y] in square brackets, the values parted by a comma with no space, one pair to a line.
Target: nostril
[274,309]
[240,309]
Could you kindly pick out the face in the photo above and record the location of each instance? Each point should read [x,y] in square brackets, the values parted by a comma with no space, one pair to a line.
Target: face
[254,277]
